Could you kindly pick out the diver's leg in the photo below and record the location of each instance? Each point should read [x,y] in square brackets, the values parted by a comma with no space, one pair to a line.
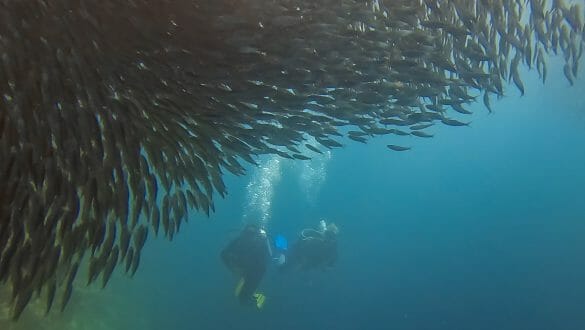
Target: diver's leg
[251,282]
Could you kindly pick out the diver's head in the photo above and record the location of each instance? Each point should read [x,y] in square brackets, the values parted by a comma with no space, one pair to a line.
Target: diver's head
[331,231]
[255,230]
[262,233]
[251,228]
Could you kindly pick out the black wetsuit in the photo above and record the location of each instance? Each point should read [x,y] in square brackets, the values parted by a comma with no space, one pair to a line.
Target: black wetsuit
[317,251]
[247,256]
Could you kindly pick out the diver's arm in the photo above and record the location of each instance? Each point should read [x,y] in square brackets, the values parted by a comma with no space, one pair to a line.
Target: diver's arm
[228,254]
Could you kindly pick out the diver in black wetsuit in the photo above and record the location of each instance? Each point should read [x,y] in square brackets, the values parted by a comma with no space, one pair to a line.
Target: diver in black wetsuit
[247,256]
[314,249]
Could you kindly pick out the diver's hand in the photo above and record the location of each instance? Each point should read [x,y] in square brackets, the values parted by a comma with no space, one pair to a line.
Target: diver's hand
[280,261]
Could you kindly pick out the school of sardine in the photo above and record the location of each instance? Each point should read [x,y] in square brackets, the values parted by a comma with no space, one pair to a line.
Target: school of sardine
[118,117]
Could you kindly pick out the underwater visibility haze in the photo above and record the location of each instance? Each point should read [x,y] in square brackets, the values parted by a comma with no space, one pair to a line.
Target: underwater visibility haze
[124,178]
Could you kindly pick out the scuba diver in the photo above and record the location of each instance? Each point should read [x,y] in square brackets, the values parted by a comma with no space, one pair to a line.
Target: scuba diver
[247,256]
[314,249]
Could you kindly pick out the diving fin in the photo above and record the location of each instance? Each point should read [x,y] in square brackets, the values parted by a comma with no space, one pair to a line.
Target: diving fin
[260,300]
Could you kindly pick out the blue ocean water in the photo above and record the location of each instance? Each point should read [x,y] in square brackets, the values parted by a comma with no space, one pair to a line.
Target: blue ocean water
[479,227]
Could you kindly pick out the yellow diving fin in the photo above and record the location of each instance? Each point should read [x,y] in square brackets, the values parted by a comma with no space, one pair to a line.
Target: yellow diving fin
[260,300]
[239,287]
